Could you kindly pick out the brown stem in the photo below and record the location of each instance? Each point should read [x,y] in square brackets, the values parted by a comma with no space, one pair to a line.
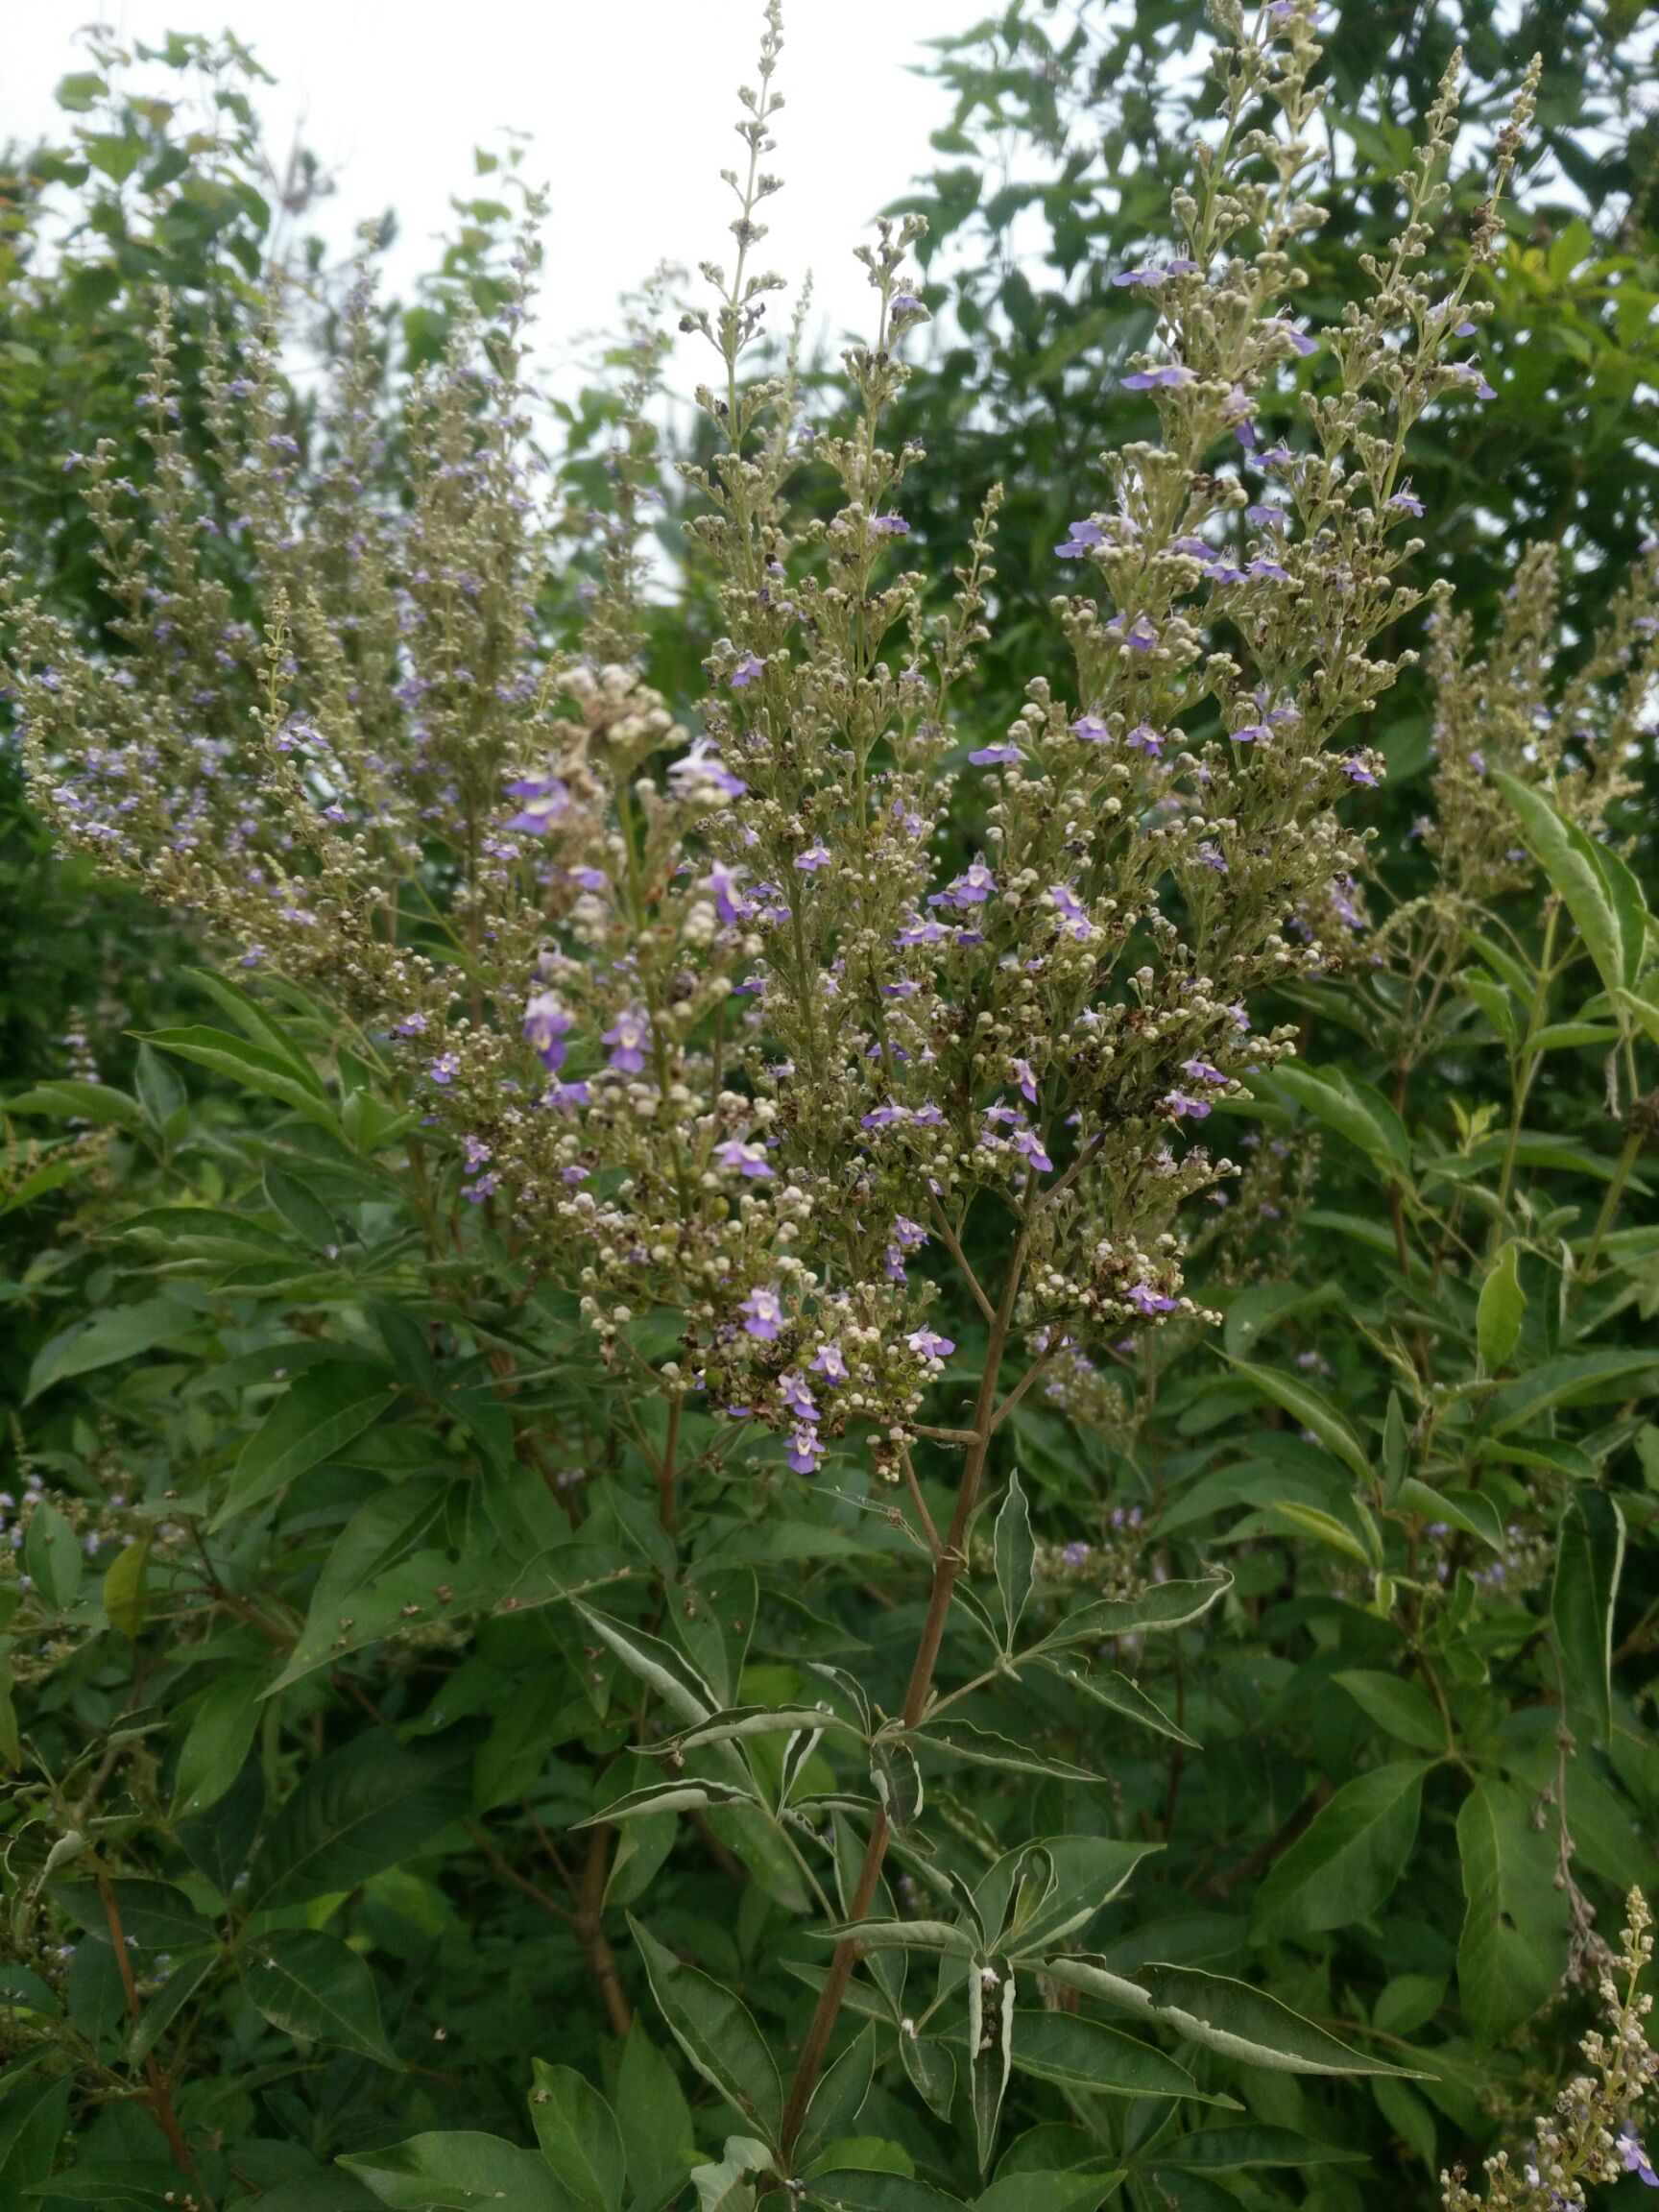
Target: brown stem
[160,2093]
[946,1569]
[921,1504]
[590,1932]
[520,1882]
[665,1469]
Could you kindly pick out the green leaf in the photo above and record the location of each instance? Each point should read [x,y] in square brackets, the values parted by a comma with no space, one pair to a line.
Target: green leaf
[1346,1863]
[727,2187]
[1015,1551]
[675,1681]
[652,2113]
[1465,1509]
[66,1100]
[456,2172]
[1160,1607]
[1082,2054]
[579,2137]
[1573,1379]
[716,2032]
[1313,1410]
[306,1215]
[1500,1310]
[1589,1560]
[983,1747]
[1396,1449]
[1258,1309]
[52,1556]
[1224,2015]
[932,2069]
[122,1332]
[839,2097]
[1234,2149]
[364,1807]
[1512,1952]
[123,1590]
[1119,1695]
[256,1023]
[990,2050]
[253,1067]
[316,1989]
[1574,868]
[319,1413]
[846,2189]
[1354,1111]
[1402,1708]
[165,1101]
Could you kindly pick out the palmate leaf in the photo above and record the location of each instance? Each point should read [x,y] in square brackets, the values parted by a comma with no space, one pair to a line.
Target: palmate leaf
[1224,2015]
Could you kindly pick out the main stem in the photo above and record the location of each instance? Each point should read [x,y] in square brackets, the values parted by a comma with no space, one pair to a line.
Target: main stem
[946,1569]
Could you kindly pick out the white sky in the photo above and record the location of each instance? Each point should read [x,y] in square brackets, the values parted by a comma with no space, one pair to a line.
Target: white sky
[629,106]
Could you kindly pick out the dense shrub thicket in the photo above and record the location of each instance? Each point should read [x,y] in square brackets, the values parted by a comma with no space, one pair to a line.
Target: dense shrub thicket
[851,1405]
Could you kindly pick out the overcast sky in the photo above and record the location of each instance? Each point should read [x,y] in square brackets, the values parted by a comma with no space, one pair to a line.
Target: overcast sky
[629,106]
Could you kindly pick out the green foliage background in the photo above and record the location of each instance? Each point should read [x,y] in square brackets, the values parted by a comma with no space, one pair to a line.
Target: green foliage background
[335,1766]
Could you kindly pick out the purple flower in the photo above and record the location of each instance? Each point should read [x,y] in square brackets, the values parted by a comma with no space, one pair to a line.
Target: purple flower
[702,767]
[909,1236]
[1251,734]
[971,888]
[745,672]
[1357,772]
[743,1158]
[1207,857]
[545,798]
[1464,330]
[1024,1076]
[995,755]
[1169,376]
[884,1117]
[1090,729]
[1469,375]
[1066,903]
[1140,637]
[730,903]
[889,526]
[1201,1071]
[443,1072]
[628,1037]
[546,1025]
[920,932]
[796,1397]
[1177,1104]
[565,1098]
[1633,2157]
[827,1361]
[1083,537]
[1030,1144]
[929,1346]
[1238,412]
[1145,1300]
[1406,503]
[1075,1554]
[1145,739]
[927,1117]
[764,1310]
[1477,761]
[815,856]
[806,1453]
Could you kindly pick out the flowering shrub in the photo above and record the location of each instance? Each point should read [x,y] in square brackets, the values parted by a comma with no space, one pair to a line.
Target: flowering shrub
[659,1442]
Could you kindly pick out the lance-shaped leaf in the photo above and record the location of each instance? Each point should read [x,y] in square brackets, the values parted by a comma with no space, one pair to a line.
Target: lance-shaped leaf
[1589,1561]
[849,2189]
[716,2032]
[937,1936]
[990,2048]
[1088,1871]
[1501,1309]
[454,2171]
[898,1781]
[1595,886]
[688,1797]
[314,1986]
[1082,2054]
[984,1747]
[252,1067]
[1573,1379]
[1119,1695]
[1221,2013]
[1162,1606]
[1347,1861]
[932,2069]
[675,1681]
[727,2185]
[1513,1948]
[1313,1410]
[578,2137]
[319,1414]
[839,2097]
[1015,1552]
[1354,1111]
[738,1720]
